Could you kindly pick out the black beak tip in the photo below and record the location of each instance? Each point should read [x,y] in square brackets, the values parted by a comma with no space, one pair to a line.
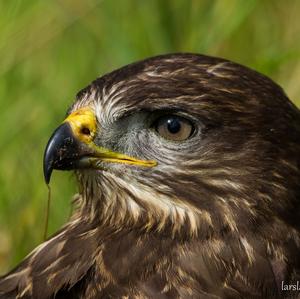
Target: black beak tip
[51,153]
[48,162]
[61,151]
[47,172]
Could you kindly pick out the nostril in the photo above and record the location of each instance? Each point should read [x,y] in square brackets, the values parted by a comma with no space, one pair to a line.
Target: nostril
[85,131]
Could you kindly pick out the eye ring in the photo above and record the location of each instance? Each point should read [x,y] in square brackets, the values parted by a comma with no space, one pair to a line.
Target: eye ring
[174,127]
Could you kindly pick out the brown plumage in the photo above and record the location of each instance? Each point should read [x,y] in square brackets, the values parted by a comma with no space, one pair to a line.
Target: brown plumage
[205,204]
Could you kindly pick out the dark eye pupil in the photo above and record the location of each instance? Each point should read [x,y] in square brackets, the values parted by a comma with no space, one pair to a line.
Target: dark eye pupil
[174,125]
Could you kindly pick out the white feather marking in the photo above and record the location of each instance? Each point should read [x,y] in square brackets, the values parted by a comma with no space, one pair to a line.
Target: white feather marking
[248,249]
[217,70]
[38,249]
[163,206]
[17,274]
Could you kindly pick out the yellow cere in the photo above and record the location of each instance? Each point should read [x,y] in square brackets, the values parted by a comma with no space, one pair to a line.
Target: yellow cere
[83,123]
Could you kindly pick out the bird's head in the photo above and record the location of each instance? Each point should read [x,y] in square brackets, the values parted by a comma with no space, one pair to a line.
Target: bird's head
[181,144]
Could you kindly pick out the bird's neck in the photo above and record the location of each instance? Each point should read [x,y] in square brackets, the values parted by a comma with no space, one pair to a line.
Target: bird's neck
[113,202]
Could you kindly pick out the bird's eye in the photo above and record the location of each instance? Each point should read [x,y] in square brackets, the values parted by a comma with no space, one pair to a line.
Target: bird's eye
[173,127]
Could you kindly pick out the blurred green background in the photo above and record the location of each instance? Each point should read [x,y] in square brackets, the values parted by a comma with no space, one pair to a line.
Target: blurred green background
[49,50]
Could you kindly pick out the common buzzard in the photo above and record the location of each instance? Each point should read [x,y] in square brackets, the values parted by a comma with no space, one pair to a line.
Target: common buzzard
[188,169]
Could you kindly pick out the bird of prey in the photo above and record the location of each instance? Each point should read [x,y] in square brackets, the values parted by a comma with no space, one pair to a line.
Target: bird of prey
[188,169]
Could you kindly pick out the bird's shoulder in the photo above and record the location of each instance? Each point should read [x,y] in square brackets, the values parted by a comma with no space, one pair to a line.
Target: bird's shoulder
[82,262]
[57,263]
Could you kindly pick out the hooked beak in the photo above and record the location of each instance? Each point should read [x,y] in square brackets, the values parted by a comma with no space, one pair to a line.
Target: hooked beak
[72,147]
